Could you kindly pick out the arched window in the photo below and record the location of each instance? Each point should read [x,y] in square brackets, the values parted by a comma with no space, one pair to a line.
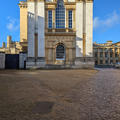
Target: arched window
[60,14]
[60,52]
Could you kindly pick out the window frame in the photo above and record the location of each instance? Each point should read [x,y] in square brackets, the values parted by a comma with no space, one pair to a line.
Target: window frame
[60,15]
[59,52]
[70,19]
[50,19]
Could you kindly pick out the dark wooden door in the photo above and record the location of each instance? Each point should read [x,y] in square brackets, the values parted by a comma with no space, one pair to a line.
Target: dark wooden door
[12,61]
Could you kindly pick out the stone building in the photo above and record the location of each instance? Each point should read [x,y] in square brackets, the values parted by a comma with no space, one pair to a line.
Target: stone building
[11,47]
[57,32]
[107,53]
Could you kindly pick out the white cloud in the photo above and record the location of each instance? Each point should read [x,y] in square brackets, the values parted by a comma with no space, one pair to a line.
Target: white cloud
[111,20]
[13,24]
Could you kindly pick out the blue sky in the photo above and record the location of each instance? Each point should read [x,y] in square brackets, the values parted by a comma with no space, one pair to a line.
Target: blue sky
[106,20]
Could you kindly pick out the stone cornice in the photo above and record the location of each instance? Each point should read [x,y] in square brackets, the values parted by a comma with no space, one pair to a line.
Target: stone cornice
[51,2]
[35,0]
[23,4]
[59,34]
[87,1]
[65,3]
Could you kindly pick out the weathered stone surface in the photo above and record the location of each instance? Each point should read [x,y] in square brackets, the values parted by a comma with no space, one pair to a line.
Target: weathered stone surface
[2,60]
[22,60]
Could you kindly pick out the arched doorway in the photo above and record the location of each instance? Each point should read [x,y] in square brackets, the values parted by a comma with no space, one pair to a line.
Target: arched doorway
[60,52]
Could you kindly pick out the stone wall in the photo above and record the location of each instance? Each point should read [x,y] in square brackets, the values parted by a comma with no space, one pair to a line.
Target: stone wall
[84,62]
[22,60]
[2,60]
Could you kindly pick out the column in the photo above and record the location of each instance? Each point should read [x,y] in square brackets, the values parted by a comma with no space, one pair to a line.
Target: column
[84,44]
[109,56]
[84,29]
[118,54]
[98,56]
[114,60]
[74,21]
[103,56]
[53,15]
[67,20]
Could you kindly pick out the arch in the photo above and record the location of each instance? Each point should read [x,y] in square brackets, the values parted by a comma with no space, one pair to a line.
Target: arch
[60,52]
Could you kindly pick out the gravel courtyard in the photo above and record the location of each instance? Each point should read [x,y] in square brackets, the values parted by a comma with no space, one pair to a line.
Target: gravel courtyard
[60,95]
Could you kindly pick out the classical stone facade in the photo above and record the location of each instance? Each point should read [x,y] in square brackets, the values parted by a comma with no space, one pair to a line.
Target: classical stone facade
[57,32]
[11,47]
[107,53]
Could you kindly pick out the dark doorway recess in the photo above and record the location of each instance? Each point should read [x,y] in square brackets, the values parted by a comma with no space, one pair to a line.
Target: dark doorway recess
[60,52]
[12,61]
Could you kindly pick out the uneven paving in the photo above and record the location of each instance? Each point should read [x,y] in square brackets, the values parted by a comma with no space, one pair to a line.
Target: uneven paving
[60,95]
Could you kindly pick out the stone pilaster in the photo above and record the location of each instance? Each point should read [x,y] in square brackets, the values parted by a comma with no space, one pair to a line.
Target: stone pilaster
[53,12]
[31,29]
[109,57]
[79,29]
[103,56]
[84,45]
[67,19]
[118,54]
[41,29]
[89,28]
[98,56]
[114,60]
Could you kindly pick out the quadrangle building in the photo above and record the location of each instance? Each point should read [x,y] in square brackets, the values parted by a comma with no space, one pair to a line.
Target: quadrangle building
[107,53]
[57,33]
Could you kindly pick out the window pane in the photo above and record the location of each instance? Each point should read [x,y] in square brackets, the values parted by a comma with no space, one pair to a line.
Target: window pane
[60,14]
[70,18]
[60,52]
[50,19]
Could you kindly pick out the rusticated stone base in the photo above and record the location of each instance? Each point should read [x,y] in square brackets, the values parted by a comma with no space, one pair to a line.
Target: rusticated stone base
[84,62]
[33,63]
[80,63]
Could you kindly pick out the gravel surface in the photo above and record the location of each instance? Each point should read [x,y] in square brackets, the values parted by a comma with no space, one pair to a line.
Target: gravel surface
[60,95]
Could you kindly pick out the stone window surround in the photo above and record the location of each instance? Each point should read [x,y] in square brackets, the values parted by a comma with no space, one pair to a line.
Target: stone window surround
[68,6]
